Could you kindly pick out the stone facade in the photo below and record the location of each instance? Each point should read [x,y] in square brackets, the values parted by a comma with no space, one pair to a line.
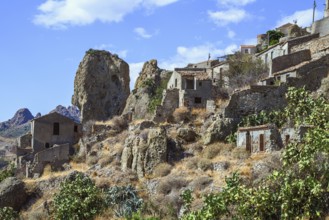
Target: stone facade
[53,129]
[255,99]
[50,141]
[194,86]
[259,138]
[268,137]
[248,49]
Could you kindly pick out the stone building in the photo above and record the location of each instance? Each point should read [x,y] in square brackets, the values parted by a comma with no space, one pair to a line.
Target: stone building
[268,137]
[248,49]
[322,26]
[50,142]
[259,138]
[193,85]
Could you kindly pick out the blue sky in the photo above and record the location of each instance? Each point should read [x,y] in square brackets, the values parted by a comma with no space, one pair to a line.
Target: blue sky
[43,41]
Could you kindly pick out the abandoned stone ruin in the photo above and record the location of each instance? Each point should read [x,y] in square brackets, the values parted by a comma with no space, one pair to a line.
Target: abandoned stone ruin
[50,142]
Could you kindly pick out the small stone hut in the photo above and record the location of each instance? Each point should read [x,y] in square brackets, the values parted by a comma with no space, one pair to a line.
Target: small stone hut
[259,138]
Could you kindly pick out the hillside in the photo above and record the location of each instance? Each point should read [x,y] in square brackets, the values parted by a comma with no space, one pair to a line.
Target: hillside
[192,143]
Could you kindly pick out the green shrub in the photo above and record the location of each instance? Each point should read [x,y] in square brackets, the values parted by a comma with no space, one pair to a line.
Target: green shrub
[78,198]
[8,172]
[8,213]
[123,200]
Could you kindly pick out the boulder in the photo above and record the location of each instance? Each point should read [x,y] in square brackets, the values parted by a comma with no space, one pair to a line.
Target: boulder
[186,134]
[101,85]
[219,130]
[142,153]
[12,193]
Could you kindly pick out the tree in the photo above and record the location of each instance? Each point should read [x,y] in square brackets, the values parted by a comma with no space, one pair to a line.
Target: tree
[274,36]
[244,69]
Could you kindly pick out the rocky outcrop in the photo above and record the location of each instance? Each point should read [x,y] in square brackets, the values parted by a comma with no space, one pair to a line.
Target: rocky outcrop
[143,151]
[138,103]
[12,193]
[101,85]
[71,112]
[219,130]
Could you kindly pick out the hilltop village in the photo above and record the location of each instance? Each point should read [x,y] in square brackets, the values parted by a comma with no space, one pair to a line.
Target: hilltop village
[186,129]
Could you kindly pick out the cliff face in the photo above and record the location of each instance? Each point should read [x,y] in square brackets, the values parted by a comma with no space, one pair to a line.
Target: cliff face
[101,85]
[145,88]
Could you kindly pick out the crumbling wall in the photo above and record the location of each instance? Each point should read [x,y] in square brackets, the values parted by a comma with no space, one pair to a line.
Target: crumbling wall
[168,105]
[318,47]
[311,74]
[256,99]
[286,61]
[25,141]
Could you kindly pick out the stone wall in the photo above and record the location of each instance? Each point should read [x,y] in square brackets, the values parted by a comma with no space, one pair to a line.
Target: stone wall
[203,91]
[168,105]
[269,134]
[286,61]
[301,40]
[58,152]
[316,46]
[254,100]
[311,74]
[25,140]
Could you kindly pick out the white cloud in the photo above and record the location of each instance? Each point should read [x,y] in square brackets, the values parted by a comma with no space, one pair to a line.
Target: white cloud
[231,34]
[199,53]
[232,15]
[60,14]
[304,18]
[135,69]
[142,32]
[235,2]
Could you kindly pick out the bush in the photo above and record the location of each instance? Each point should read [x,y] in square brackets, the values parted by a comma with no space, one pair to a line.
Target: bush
[162,169]
[182,114]
[8,172]
[78,198]
[8,213]
[123,199]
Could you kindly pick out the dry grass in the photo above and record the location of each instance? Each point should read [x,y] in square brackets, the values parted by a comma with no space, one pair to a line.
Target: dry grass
[211,151]
[200,113]
[240,153]
[181,114]
[205,164]
[162,169]
[245,171]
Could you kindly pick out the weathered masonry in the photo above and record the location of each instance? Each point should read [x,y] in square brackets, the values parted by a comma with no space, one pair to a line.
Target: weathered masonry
[259,138]
[51,139]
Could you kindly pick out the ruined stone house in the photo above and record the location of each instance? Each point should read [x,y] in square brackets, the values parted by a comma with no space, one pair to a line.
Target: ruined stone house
[193,85]
[268,138]
[50,142]
[259,138]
